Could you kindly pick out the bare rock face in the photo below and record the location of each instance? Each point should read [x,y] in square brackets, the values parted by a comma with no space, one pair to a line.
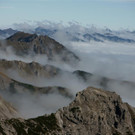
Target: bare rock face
[97,112]
[93,112]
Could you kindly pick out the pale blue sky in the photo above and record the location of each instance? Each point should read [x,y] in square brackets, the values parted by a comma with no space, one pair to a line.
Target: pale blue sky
[113,14]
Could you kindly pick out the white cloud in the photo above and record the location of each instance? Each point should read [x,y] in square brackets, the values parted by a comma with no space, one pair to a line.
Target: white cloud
[113,60]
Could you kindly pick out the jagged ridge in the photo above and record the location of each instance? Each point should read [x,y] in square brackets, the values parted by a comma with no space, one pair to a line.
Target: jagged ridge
[93,112]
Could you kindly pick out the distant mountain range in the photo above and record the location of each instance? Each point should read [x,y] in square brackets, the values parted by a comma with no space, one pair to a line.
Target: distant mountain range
[7,32]
[87,36]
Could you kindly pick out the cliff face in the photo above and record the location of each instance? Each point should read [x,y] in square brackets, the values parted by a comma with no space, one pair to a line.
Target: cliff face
[97,112]
[93,112]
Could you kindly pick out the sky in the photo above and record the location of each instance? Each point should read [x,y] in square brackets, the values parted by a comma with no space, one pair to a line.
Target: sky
[113,14]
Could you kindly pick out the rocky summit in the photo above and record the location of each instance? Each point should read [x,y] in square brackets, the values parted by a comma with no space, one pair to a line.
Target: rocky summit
[93,112]
[97,112]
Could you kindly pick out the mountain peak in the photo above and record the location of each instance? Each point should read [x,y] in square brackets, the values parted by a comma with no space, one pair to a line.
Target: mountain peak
[25,43]
[22,37]
[95,112]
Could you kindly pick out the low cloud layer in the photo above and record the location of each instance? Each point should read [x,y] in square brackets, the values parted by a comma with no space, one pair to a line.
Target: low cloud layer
[29,105]
[113,60]
[108,59]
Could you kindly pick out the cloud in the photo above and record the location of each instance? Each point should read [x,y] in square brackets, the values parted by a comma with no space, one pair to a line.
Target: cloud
[109,59]
[113,60]
[33,105]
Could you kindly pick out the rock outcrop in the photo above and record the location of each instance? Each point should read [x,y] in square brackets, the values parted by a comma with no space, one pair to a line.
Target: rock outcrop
[97,112]
[93,112]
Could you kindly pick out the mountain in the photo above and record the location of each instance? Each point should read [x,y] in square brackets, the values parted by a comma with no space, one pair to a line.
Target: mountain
[89,37]
[53,32]
[112,38]
[39,75]
[32,69]
[32,44]
[35,89]
[7,32]
[93,112]
[98,37]
[88,34]
[82,75]
[32,73]
[96,112]
[8,85]
[103,82]
[43,31]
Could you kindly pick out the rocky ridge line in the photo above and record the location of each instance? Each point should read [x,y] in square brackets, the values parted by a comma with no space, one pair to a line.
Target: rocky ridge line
[93,112]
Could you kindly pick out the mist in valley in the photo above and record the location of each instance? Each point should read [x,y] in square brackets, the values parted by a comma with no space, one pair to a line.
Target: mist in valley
[102,59]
